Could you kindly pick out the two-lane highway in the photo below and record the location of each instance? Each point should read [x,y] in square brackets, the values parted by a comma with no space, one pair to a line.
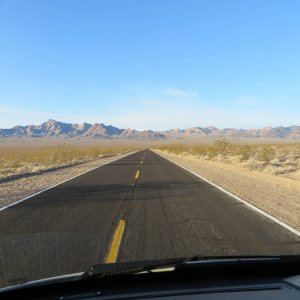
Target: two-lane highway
[140,207]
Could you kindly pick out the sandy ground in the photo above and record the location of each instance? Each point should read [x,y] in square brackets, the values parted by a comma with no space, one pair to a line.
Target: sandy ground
[17,189]
[278,196]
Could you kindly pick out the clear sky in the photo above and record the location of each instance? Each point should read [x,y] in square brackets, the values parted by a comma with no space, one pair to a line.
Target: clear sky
[150,64]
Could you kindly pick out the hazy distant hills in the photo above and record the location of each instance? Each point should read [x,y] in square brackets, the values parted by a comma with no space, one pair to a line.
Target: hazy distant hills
[54,128]
[291,132]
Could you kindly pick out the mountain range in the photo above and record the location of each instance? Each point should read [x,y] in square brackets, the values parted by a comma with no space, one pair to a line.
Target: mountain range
[53,128]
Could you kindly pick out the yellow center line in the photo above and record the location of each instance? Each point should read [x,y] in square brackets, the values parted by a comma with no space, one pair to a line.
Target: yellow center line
[141,162]
[137,174]
[115,243]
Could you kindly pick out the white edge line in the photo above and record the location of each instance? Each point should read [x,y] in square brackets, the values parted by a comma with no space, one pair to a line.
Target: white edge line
[286,226]
[53,186]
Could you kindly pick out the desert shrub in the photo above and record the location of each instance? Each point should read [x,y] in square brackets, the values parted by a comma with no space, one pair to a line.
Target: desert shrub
[222,147]
[266,154]
[245,152]
[176,148]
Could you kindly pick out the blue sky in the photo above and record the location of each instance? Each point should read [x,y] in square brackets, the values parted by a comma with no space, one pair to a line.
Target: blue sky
[152,64]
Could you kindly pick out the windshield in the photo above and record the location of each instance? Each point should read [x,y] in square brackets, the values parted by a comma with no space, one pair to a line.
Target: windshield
[135,131]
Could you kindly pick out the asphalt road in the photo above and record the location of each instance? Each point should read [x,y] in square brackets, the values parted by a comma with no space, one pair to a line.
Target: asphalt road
[140,207]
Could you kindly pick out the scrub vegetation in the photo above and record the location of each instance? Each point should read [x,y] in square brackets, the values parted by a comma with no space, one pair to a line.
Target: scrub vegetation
[16,161]
[275,159]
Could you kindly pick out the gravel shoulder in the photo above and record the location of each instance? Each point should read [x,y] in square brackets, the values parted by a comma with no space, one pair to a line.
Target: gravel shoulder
[278,196]
[14,190]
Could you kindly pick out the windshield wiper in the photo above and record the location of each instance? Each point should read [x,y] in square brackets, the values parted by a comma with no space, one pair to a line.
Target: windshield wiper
[127,268]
